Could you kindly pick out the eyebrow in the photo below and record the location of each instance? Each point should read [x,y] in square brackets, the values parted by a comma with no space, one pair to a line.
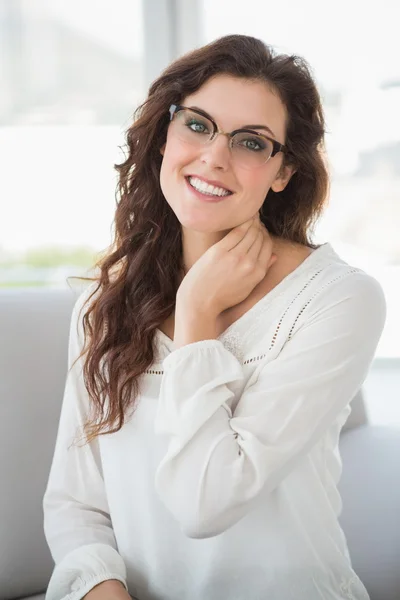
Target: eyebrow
[265,127]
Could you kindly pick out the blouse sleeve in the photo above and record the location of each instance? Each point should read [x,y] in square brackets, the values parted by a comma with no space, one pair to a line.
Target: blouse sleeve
[218,462]
[77,523]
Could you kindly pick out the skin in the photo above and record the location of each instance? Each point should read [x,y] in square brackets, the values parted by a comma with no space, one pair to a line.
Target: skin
[107,590]
[228,254]
[223,277]
[232,103]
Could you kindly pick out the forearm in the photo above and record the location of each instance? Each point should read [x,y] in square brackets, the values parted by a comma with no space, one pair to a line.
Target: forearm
[112,589]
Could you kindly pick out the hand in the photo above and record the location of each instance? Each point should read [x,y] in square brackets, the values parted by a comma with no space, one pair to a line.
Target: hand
[112,589]
[228,271]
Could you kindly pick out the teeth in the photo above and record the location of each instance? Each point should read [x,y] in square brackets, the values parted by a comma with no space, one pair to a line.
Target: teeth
[206,188]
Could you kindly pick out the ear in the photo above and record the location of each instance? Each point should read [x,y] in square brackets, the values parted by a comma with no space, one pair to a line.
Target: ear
[162,150]
[282,178]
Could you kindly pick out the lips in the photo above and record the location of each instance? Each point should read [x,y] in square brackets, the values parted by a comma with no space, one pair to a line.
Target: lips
[207,198]
[210,182]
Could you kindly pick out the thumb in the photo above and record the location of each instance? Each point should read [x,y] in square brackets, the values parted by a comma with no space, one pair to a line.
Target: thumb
[273,259]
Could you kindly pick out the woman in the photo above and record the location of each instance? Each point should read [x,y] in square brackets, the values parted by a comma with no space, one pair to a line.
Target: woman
[214,360]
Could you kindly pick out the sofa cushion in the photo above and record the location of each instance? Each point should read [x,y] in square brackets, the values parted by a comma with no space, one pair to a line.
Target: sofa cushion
[34,326]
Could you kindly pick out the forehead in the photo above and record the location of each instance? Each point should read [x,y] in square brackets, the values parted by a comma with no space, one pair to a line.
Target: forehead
[234,102]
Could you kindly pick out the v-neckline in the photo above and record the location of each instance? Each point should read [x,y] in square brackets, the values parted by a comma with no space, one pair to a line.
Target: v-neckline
[267,297]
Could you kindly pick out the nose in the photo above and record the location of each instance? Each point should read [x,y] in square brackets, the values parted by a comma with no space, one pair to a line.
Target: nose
[216,154]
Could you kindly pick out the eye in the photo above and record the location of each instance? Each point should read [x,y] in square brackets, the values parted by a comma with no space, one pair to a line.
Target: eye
[251,143]
[197,126]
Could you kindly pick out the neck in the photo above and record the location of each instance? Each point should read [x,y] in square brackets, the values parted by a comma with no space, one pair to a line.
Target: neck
[196,243]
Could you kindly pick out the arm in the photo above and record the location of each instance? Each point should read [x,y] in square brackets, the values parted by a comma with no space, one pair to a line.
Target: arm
[108,590]
[77,523]
[218,462]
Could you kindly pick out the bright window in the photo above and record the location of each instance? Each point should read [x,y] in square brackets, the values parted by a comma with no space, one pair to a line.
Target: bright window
[70,83]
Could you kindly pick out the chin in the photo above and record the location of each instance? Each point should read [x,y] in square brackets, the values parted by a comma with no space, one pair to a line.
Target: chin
[200,226]
[198,221]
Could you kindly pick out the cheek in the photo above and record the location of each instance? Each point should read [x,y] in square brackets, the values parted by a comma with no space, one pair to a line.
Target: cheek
[170,157]
[255,184]
[169,163]
[177,154]
[175,157]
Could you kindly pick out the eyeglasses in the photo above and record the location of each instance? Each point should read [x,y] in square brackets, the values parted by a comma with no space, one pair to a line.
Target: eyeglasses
[249,149]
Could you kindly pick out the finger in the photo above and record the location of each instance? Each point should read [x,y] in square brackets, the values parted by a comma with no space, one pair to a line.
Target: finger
[273,259]
[231,239]
[266,257]
[244,245]
[256,247]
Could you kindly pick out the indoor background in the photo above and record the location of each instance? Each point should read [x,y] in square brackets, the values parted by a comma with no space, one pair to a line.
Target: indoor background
[72,74]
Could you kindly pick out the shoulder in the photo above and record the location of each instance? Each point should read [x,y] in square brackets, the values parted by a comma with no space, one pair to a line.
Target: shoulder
[336,289]
[325,286]
[324,298]
[337,280]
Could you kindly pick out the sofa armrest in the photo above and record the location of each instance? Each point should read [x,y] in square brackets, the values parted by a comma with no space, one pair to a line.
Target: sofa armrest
[370,489]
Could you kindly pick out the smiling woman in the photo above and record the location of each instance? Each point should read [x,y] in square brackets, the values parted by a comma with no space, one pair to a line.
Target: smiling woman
[248,163]
[214,359]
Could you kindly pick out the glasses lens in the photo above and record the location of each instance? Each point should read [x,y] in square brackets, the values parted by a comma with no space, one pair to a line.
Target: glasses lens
[248,150]
[251,150]
[191,127]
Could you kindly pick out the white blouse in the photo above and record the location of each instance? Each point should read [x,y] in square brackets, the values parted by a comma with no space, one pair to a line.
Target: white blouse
[222,484]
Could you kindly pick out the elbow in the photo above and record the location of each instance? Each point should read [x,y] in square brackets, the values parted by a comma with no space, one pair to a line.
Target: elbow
[200,522]
[202,511]
[196,519]
[207,499]
[199,518]
[198,527]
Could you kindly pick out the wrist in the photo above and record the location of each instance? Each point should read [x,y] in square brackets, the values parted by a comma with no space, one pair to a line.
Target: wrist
[194,325]
[193,308]
[107,590]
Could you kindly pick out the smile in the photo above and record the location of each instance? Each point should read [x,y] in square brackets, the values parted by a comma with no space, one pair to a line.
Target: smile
[207,190]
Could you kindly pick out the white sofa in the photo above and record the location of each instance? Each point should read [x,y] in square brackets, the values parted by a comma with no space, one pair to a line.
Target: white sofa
[34,328]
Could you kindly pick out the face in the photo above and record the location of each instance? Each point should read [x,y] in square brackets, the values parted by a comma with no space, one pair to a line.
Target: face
[232,103]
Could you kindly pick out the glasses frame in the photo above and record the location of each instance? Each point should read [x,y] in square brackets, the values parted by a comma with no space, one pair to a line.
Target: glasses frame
[276,146]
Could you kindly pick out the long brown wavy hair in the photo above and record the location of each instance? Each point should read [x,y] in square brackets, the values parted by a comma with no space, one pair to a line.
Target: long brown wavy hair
[140,273]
